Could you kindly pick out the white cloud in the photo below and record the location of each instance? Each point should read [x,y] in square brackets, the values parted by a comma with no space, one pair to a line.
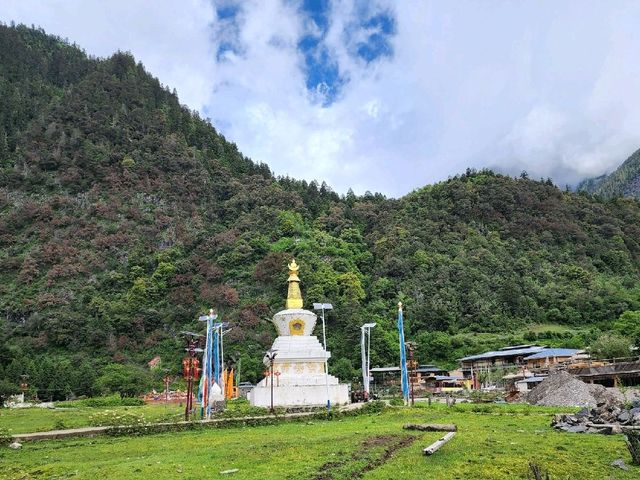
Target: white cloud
[551,88]
[171,39]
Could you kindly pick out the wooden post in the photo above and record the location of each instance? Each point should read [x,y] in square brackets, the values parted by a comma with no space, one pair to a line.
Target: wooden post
[434,447]
[431,427]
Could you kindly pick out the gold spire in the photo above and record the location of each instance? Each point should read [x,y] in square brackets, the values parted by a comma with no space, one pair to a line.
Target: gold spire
[294,297]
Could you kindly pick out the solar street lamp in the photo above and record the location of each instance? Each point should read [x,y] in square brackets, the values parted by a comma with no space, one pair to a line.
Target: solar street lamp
[365,346]
[322,307]
[271,356]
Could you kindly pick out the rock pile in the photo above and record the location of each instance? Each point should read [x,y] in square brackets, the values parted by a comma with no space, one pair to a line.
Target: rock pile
[562,389]
[605,418]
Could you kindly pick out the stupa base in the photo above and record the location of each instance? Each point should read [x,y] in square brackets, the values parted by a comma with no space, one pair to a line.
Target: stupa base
[299,395]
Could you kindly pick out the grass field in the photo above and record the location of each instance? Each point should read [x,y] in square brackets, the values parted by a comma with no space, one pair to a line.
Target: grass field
[493,442]
[75,415]
[24,420]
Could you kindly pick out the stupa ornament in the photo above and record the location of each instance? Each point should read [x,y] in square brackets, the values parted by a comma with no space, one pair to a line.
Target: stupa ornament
[299,363]
[294,297]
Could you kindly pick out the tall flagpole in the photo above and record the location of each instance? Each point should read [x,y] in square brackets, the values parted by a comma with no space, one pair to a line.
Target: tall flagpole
[403,357]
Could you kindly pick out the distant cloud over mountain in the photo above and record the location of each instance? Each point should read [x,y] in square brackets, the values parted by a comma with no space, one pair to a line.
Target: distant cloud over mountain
[383,95]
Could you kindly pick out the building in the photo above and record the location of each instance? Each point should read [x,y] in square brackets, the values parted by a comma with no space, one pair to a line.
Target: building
[518,367]
[549,357]
[503,358]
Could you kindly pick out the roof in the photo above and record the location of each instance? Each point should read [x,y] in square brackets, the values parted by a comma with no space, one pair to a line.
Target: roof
[515,351]
[440,378]
[429,368]
[531,380]
[554,352]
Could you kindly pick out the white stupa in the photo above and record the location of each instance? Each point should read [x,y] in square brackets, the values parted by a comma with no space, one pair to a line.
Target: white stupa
[299,366]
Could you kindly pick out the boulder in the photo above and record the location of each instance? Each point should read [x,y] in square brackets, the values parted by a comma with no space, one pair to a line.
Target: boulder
[624,416]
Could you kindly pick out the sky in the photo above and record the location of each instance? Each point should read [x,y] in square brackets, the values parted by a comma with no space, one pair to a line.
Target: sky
[386,96]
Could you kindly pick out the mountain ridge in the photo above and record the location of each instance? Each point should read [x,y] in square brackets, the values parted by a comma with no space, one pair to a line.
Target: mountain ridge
[624,181]
[124,216]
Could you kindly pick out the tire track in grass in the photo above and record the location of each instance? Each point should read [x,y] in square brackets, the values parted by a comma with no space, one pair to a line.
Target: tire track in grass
[373,452]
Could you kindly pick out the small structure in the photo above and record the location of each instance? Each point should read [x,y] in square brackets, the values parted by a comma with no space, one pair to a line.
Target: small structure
[444,384]
[529,383]
[297,376]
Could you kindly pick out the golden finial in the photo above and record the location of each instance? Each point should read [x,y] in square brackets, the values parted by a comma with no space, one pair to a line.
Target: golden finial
[399,305]
[294,297]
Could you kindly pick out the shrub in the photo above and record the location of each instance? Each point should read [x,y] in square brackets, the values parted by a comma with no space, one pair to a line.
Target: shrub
[101,402]
[5,437]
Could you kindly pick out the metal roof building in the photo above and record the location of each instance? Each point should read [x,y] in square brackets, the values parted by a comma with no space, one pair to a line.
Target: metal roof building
[554,352]
[513,351]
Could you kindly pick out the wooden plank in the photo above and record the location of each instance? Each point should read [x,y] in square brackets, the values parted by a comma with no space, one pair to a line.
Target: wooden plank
[434,447]
[431,427]
[611,425]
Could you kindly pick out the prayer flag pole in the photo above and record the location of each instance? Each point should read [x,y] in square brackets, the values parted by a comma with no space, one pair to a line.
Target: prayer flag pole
[403,357]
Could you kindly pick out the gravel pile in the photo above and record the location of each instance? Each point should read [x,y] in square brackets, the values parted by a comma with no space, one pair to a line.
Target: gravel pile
[562,389]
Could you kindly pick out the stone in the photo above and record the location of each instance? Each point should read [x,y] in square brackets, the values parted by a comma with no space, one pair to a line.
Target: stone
[616,429]
[620,464]
[584,412]
[624,416]
[15,445]
[575,428]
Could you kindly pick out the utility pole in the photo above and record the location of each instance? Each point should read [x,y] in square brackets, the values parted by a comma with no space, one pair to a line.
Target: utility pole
[412,366]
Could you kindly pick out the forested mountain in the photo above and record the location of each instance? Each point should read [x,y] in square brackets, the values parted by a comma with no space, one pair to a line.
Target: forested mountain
[622,182]
[123,216]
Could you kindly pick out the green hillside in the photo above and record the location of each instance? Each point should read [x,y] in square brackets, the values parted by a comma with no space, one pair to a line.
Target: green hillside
[124,215]
[622,182]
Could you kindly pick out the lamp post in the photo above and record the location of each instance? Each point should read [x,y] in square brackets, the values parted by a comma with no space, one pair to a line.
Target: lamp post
[271,356]
[323,307]
[366,355]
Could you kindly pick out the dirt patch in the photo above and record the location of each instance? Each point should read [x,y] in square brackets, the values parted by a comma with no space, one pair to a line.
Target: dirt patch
[380,440]
[374,451]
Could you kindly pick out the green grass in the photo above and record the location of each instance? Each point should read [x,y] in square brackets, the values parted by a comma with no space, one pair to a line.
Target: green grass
[25,420]
[550,327]
[75,415]
[495,442]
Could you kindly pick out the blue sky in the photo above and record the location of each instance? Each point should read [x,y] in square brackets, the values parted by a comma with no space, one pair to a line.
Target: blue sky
[384,95]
